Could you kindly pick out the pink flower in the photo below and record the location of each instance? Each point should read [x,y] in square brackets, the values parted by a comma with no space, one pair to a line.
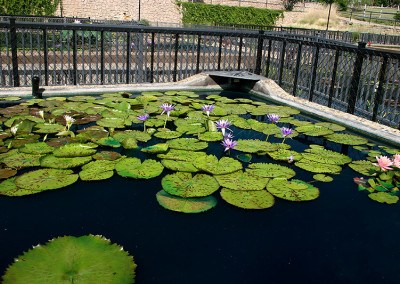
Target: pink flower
[384,163]
[396,160]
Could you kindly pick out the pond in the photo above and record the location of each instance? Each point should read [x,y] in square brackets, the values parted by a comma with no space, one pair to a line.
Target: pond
[340,237]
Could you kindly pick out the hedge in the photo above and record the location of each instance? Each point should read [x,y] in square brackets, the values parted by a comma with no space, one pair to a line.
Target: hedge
[206,14]
[29,7]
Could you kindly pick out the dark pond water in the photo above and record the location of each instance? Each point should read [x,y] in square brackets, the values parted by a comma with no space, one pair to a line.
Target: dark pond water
[341,237]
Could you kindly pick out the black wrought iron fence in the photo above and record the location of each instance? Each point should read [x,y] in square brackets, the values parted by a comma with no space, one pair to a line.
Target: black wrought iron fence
[358,80]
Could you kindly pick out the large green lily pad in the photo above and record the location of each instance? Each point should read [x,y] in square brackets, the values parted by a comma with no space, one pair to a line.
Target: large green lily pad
[179,166]
[316,167]
[185,205]
[181,155]
[22,160]
[255,146]
[283,155]
[138,135]
[51,161]
[211,165]
[74,150]
[211,136]
[270,171]
[326,156]
[190,144]
[242,181]
[47,128]
[156,149]
[168,134]
[9,188]
[364,167]
[46,179]
[107,155]
[346,139]
[258,199]
[384,197]
[185,185]
[322,177]
[97,170]
[332,126]
[294,190]
[86,259]
[133,168]
[314,130]
[36,148]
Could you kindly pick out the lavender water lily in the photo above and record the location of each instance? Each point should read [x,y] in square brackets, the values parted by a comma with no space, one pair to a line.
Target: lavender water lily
[286,132]
[273,118]
[223,124]
[167,108]
[143,118]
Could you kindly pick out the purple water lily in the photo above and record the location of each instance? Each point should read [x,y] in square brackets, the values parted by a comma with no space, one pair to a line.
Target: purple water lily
[229,144]
[223,124]
[207,109]
[228,135]
[286,132]
[167,108]
[273,117]
[143,118]
[290,159]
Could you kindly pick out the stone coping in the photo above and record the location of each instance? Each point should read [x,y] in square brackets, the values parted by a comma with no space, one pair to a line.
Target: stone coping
[264,88]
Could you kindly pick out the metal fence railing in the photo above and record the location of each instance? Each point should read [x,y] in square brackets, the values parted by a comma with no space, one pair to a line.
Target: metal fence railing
[358,80]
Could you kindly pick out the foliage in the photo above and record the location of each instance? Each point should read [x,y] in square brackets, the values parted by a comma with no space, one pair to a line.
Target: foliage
[205,14]
[289,4]
[29,7]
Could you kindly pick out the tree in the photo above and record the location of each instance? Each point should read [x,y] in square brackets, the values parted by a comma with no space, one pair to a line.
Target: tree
[29,7]
[341,3]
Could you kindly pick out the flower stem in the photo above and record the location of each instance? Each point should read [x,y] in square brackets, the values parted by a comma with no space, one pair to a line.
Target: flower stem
[165,121]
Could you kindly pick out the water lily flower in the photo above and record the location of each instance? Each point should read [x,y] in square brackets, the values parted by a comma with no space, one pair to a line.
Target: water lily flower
[228,135]
[143,118]
[207,109]
[69,121]
[229,144]
[167,108]
[41,113]
[273,117]
[286,132]
[14,130]
[77,22]
[384,163]
[223,124]
[290,159]
[396,160]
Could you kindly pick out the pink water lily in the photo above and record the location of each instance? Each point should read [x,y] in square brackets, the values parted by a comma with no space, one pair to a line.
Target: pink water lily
[229,144]
[384,163]
[223,124]
[396,160]
[207,109]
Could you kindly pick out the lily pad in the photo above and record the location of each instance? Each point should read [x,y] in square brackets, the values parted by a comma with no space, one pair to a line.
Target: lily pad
[246,158]
[51,161]
[322,177]
[185,205]
[185,185]
[270,171]
[190,144]
[7,172]
[129,143]
[255,146]
[326,156]
[332,126]
[22,160]
[314,130]
[258,199]
[181,155]
[112,122]
[168,134]
[242,181]
[97,170]
[179,166]
[316,167]
[294,190]
[36,148]
[156,149]
[211,165]
[86,259]
[133,168]
[384,197]
[138,135]
[283,155]
[46,179]
[47,128]
[109,142]
[9,188]
[107,155]
[74,150]
[364,167]
[347,139]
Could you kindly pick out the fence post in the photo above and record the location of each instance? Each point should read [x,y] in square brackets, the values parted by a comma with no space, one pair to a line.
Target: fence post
[198,54]
[74,58]
[282,63]
[314,74]
[176,58]
[14,52]
[152,59]
[240,53]
[296,76]
[128,56]
[219,53]
[45,61]
[259,52]
[379,93]
[268,58]
[102,56]
[333,80]
[355,80]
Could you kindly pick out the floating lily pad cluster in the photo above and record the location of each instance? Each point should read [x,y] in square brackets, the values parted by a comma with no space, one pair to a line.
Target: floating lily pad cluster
[51,143]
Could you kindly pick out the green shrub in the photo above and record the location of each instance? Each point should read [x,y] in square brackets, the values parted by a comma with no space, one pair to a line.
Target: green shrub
[355,36]
[29,7]
[289,4]
[206,14]
[397,17]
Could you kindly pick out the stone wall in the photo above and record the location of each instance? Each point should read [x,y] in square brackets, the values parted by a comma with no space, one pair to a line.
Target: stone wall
[151,10]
